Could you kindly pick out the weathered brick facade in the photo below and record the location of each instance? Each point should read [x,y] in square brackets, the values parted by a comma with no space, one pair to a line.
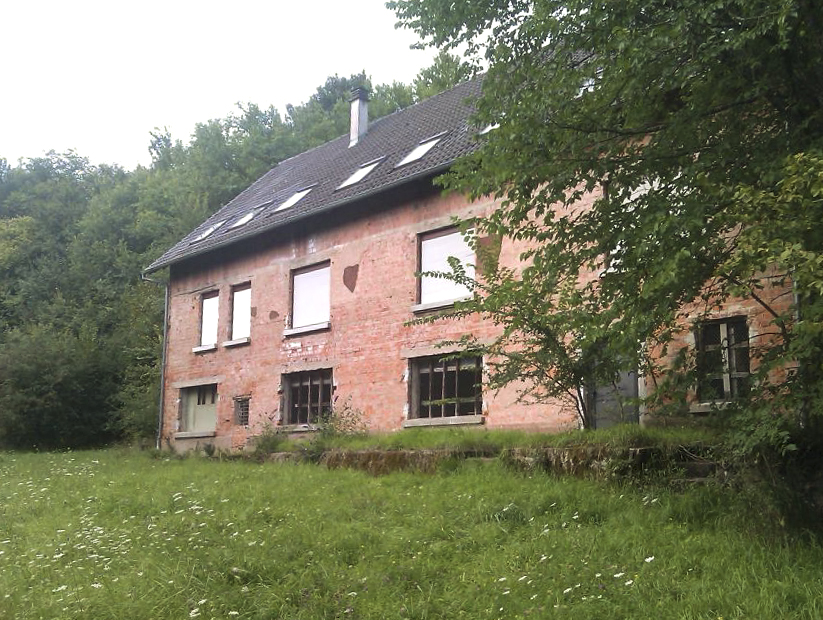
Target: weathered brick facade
[373,254]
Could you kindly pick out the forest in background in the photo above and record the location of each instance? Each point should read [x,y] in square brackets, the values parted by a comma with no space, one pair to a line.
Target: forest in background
[80,332]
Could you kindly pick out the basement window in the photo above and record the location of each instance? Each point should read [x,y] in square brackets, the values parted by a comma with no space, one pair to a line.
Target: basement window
[421,149]
[294,199]
[208,231]
[241,410]
[722,359]
[198,409]
[307,396]
[361,173]
[445,387]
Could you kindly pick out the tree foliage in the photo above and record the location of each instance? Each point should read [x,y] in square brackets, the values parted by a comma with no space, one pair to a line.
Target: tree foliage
[698,129]
[80,333]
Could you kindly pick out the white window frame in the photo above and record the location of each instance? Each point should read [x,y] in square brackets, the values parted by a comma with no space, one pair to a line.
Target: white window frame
[294,199]
[729,373]
[361,173]
[310,298]
[240,315]
[421,149]
[434,250]
[209,320]
[198,411]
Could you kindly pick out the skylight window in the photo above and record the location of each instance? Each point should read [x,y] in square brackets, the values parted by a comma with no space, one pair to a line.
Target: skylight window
[361,173]
[294,199]
[208,231]
[421,149]
[245,219]
[488,128]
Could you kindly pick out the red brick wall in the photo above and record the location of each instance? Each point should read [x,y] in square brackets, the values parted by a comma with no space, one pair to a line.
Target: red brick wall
[369,342]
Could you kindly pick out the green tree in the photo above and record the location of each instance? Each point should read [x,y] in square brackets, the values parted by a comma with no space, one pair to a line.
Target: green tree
[695,124]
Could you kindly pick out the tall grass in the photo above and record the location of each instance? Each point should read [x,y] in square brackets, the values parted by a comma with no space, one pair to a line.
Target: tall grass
[115,534]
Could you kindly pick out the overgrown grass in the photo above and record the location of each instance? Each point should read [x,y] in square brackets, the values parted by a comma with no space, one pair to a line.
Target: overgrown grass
[631,435]
[116,534]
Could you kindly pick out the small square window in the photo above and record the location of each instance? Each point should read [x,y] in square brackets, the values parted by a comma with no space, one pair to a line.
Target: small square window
[445,387]
[241,410]
[311,303]
[307,396]
[198,408]
[723,370]
[435,250]
[241,311]
[209,306]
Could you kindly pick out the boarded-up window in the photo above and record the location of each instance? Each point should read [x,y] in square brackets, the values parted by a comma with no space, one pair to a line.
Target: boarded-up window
[435,250]
[241,312]
[208,319]
[308,396]
[310,296]
[722,359]
[198,408]
[442,388]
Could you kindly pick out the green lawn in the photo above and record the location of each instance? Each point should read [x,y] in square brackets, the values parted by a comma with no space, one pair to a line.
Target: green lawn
[117,534]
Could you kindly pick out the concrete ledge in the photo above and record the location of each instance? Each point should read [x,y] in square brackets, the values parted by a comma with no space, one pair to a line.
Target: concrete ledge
[458,420]
[204,348]
[307,329]
[194,434]
[237,342]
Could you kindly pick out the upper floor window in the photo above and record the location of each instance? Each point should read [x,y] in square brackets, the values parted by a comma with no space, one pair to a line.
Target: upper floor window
[435,250]
[311,304]
[208,319]
[241,312]
[361,173]
[722,359]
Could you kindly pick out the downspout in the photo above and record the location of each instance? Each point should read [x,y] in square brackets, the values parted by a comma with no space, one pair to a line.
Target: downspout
[161,403]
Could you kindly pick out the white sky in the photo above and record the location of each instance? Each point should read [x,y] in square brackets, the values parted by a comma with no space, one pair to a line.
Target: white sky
[97,76]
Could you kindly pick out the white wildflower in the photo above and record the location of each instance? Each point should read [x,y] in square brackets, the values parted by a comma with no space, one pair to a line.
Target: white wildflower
[629,582]
[649,559]
[618,575]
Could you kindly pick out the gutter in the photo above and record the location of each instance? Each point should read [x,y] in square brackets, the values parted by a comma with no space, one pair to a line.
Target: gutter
[162,399]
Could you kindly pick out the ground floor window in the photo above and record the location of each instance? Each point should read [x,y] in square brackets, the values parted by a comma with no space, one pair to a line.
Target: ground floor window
[308,396]
[241,410]
[198,408]
[445,387]
[722,359]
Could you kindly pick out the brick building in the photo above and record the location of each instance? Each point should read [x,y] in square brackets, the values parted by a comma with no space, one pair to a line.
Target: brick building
[300,291]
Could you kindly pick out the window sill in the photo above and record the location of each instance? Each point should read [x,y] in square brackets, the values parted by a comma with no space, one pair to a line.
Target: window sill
[307,329]
[194,434]
[437,305]
[237,342]
[450,421]
[297,428]
[204,348]
[708,407]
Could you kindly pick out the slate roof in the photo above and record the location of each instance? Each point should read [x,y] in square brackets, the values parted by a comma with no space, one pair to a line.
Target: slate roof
[325,167]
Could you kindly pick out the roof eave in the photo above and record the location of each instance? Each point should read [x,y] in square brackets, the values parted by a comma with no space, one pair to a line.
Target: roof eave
[162,264]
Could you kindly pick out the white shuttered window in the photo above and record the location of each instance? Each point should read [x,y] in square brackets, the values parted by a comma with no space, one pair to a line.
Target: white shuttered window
[241,312]
[310,296]
[435,250]
[208,322]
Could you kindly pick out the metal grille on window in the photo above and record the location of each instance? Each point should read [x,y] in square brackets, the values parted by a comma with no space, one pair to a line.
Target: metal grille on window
[241,411]
[309,396]
[445,388]
[206,394]
[723,359]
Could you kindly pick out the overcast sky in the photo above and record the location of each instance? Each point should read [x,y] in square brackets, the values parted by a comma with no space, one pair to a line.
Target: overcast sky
[97,76]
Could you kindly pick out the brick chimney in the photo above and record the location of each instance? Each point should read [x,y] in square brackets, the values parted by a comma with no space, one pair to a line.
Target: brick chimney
[359,115]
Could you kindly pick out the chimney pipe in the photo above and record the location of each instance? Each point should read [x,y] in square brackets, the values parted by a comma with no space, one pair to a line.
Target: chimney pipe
[359,115]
